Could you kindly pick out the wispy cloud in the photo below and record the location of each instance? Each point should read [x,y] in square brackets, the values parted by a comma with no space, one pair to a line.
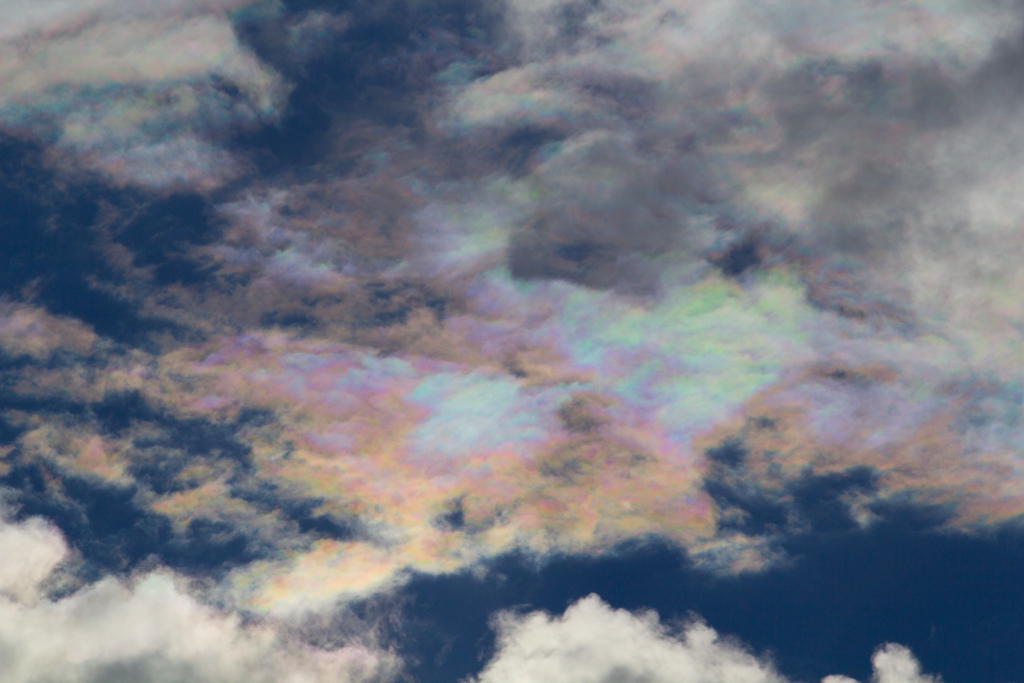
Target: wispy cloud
[137,90]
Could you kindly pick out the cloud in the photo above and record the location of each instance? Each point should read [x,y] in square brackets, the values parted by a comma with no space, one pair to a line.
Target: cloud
[895,664]
[26,330]
[137,90]
[892,663]
[610,209]
[38,548]
[789,229]
[869,133]
[149,630]
[593,643]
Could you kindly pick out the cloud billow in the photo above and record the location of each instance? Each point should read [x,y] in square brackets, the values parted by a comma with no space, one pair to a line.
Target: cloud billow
[593,643]
[149,630]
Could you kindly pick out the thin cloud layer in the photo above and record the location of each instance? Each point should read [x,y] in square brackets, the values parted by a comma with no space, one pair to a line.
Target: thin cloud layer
[140,91]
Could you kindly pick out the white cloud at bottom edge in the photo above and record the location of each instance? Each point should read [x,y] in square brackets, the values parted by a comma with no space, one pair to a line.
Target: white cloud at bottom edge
[593,643]
[147,631]
[153,631]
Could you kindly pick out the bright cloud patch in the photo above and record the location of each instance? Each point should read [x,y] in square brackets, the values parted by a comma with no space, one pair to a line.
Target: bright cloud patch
[151,631]
[38,549]
[593,643]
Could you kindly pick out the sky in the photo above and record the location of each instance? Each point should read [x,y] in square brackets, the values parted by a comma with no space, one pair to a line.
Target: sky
[511,341]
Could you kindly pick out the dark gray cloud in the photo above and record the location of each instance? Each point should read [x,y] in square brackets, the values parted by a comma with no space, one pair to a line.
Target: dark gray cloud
[615,204]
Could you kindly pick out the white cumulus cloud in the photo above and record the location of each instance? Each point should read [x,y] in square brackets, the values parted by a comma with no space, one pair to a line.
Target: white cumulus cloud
[593,643]
[28,553]
[148,631]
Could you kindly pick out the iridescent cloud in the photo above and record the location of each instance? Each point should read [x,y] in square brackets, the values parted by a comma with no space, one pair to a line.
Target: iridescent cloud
[617,275]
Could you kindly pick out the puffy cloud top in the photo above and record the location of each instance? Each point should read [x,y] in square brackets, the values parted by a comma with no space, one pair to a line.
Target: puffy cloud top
[151,631]
[593,643]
